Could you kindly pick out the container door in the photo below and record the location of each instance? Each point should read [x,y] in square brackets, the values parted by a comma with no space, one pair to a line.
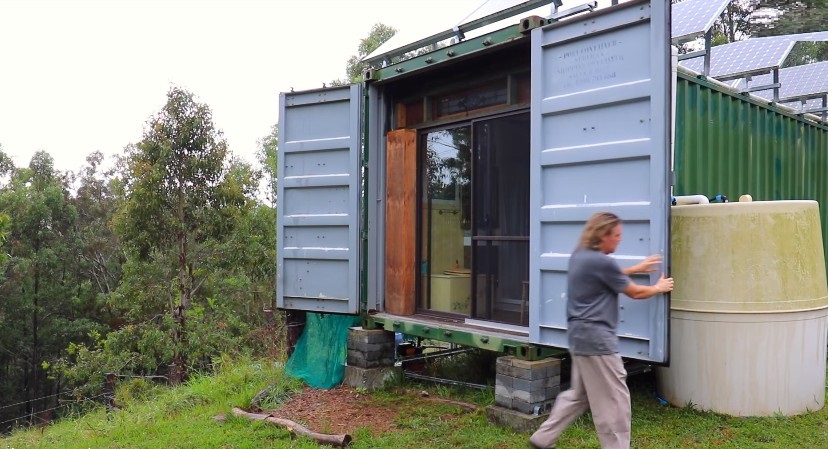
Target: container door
[600,122]
[318,190]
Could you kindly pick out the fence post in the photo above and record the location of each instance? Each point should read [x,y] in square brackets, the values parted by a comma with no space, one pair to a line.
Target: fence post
[109,391]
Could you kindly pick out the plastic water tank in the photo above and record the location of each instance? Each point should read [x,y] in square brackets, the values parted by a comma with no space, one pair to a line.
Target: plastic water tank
[749,313]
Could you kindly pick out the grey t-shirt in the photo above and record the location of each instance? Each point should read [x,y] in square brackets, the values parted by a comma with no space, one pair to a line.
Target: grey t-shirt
[593,284]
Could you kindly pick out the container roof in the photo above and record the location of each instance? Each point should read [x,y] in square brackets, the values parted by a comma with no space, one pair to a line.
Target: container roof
[490,15]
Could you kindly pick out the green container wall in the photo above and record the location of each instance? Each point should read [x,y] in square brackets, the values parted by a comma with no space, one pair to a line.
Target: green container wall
[727,143]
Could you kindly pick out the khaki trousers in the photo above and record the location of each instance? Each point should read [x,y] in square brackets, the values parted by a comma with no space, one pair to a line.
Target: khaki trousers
[598,383]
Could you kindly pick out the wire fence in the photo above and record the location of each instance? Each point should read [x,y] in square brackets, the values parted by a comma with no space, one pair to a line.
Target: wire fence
[37,418]
[44,416]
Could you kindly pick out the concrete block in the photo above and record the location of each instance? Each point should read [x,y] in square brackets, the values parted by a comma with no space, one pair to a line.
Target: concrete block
[505,381]
[362,360]
[503,401]
[547,367]
[553,392]
[370,378]
[502,390]
[554,381]
[526,369]
[517,421]
[528,396]
[532,407]
[361,335]
[372,347]
[532,386]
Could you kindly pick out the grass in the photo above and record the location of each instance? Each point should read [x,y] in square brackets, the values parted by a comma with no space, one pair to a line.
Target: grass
[161,417]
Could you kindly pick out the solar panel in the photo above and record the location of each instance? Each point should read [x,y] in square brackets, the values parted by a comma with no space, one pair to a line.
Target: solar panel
[744,56]
[795,81]
[814,37]
[692,18]
[813,103]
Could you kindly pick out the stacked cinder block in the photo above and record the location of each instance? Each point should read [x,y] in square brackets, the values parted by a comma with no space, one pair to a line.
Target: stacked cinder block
[370,362]
[370,348]
[527,386]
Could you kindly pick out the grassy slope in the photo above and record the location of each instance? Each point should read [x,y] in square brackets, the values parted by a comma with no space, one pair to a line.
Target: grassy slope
[155,417]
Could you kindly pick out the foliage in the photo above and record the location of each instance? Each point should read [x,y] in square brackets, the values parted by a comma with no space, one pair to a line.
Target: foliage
[268,156]
[42,308]
[355,66]
[103,263]
[788,17]
[734,23]
[762,18]
[181,199]
[779,17]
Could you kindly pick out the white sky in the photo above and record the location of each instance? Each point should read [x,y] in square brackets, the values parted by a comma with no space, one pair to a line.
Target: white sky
[78,76]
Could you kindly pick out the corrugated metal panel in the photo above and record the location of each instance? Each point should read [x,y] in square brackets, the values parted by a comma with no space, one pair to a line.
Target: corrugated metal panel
[600,133]
[318,215]
[729,144]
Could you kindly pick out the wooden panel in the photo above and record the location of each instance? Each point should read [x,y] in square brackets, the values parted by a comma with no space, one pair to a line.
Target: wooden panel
[400,221]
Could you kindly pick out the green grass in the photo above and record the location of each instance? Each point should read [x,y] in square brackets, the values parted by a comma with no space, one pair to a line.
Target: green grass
[161,417]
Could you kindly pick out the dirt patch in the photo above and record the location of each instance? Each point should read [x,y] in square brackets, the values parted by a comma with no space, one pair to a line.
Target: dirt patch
[344,409]
[338,410]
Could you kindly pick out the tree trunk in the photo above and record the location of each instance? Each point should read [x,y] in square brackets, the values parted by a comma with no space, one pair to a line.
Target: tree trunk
[178,370]
[34,383]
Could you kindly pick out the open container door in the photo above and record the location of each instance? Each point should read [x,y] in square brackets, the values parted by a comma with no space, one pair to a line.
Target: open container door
[600,123]
[317,264]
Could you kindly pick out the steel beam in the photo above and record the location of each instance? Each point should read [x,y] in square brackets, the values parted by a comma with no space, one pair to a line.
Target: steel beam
[450,53]
[435,331]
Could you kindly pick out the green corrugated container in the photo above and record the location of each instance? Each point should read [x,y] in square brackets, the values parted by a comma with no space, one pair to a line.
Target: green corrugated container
[730,144]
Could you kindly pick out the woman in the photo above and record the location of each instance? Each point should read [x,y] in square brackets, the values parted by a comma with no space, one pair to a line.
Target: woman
[598,377]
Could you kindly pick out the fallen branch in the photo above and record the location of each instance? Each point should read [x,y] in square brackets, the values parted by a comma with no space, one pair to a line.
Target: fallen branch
[295,428]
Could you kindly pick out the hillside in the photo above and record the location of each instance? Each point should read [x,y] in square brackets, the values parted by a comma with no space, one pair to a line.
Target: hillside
[406,415]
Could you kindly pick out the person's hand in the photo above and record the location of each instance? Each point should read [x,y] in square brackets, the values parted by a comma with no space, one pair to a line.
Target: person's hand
[663,284]
[648,265]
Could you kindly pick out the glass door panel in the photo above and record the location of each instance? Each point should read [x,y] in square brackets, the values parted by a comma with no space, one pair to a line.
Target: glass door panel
[445,221]
[500,221]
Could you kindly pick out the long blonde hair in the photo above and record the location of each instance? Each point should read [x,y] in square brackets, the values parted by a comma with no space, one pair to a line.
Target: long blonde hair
[599,225]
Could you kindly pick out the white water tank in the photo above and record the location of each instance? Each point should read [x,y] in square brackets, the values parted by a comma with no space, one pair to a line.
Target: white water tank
[749,313]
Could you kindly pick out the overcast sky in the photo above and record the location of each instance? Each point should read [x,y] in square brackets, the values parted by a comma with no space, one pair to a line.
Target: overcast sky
[78,76]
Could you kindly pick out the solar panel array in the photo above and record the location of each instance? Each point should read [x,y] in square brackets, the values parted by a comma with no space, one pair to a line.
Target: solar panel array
[692,18]
[795,81]
[744,56]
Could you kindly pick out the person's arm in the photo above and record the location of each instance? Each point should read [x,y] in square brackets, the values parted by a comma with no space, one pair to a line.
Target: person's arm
[647,265]
[638,291]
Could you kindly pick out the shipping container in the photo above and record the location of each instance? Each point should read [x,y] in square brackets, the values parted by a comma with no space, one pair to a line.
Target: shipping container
[441,198]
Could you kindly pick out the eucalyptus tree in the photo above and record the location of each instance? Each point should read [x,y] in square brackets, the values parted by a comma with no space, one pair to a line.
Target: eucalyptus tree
[354,67]
[99,256]
[177,203]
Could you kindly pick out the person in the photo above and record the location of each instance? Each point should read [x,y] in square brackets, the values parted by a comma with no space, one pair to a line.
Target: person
[598,377]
